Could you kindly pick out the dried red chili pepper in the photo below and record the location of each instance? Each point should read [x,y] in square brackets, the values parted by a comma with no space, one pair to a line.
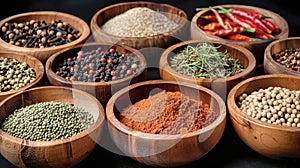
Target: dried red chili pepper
[211,18]
[212,26]
[257,30]
[219,18]
[271,26]
[228,32]
[240,37]
[246,13]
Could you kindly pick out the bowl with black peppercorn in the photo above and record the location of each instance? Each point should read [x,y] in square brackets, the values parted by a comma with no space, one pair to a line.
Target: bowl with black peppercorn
[98,68]
[158,122]
[42,33]
[19,72]
[265,113]
[283,57]
[58,129]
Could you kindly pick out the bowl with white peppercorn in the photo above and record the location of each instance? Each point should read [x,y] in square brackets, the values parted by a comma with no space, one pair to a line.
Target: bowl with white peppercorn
[58,129]
[265,113]
[42,33]
[19,72]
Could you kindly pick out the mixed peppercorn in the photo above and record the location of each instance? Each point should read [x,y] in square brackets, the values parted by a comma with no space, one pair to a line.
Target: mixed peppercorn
[98,65]
[289,58]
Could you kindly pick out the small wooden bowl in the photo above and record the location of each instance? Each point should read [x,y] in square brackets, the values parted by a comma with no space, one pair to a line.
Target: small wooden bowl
[32,62]
[273,141]
[273,67]
[154,43]
[58,153]
[101,90]
[43,53]
[222,85]
[164,150]
[256,47]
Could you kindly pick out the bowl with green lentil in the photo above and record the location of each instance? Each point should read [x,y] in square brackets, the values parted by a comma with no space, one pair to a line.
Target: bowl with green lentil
[50,126]
[265,113]
[19,72]
[216,65]
[42,33]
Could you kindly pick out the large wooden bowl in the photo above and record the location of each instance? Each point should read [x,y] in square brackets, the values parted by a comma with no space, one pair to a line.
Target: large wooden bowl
[273,67]
[32,62]
[256,47]
[43,53]
[58,153]
[273,141]
[222,85]
[152,44]
[164,150]
[101,90]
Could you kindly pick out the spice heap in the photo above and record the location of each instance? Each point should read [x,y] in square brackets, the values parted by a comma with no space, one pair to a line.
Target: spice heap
[98,65]
[237,24]
[205,61]
[39,33]
[139,22]
[167,112]
[289,58]
[275,105]
[47,121]
[15,74]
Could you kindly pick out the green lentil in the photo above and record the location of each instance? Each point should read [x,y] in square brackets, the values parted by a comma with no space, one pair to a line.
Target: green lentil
[47,121]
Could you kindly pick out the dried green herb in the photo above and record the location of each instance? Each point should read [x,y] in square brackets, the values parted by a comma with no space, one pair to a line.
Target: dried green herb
[205,61]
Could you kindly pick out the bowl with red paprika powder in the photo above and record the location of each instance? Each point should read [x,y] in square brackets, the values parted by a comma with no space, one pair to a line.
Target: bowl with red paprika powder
[157,122]
[249,26]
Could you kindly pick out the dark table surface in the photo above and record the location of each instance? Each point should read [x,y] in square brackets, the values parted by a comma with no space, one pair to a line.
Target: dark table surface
[230,151]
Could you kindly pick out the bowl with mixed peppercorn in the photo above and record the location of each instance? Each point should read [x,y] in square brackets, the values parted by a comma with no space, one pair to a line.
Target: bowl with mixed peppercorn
[42,33]
[265,113]
[216,65]
[98,68]
[283,57]
[50,126]
[249,26]
[18,72]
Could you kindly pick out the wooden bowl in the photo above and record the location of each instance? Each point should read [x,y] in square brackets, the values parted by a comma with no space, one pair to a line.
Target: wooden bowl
[43,53]
[57,153]
[273,141]
[32,62]
[222,85]
[164,150]
[256,47]
[150,44]
[101,90]
[273,67]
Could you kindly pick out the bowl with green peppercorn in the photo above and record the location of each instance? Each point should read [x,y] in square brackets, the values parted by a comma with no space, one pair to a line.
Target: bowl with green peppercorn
[216,65]
[265,113]
[49,126]
[19,72]
[98,68]
[42,33]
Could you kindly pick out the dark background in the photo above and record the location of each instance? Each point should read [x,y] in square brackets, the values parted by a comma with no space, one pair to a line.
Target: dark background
[230,152]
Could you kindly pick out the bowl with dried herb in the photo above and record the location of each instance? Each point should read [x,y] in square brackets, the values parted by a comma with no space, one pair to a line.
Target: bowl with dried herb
[213,64]
[50,126]
[158,122]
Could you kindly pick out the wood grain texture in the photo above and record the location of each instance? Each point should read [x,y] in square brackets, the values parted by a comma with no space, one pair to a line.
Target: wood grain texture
[222,85]
[270,65]
[256,47]
[59,153]
[164,150]
[32,62]
[273,141]
[43,53]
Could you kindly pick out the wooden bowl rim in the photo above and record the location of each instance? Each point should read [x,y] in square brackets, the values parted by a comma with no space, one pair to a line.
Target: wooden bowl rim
[275,15]
[84,34]
[98,123]
[232,102]
[39,77]
[269,58]
[112,120]
[251,67]
[49,71]
[182,22]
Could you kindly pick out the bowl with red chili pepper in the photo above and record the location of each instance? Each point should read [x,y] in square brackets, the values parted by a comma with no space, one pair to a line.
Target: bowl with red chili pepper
[98,68]
[249,26]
